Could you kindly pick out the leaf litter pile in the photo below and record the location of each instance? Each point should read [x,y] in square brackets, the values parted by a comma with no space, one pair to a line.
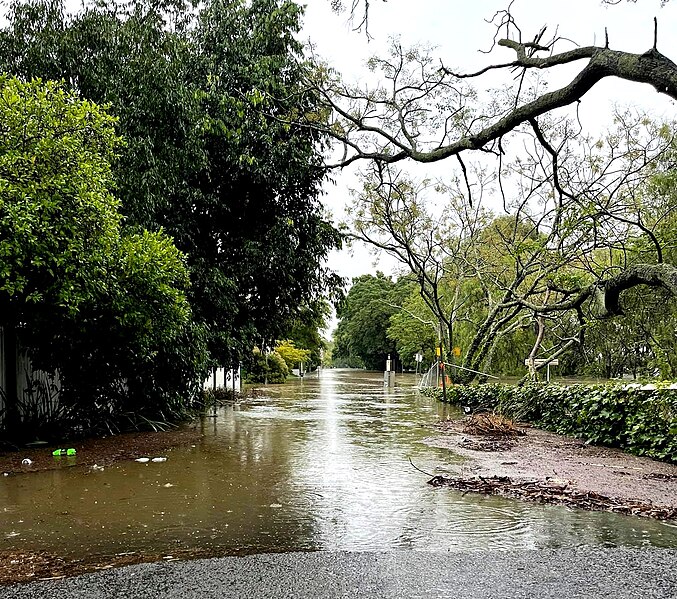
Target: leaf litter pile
[497,432]
[492,425]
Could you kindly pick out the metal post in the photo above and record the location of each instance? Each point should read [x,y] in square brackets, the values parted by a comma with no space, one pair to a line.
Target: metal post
[389,375]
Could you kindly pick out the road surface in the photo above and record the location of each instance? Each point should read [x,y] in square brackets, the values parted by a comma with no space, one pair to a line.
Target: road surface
[562,573]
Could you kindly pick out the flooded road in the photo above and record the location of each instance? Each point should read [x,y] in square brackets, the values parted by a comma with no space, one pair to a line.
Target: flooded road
[318,463]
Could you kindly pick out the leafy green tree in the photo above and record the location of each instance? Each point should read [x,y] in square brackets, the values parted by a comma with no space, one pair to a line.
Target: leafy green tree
[99,307]
[413,327]
[362,333]
[305,331]
[266,367]
[264,175]
[292,355]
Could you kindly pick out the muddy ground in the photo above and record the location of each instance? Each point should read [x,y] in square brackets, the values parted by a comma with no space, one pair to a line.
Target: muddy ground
[553,460]
[24,567]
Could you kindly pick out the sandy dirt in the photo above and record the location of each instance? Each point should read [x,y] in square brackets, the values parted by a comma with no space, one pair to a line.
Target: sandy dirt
[544,456]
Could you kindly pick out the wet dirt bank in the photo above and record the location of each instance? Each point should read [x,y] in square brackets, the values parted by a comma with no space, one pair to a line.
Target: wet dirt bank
[549,468]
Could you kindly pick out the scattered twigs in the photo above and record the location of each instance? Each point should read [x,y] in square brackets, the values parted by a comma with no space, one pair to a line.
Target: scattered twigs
[487,444]
[660,476]
[555,493]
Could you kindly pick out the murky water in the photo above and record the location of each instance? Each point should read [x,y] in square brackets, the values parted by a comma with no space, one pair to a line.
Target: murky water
[320,463]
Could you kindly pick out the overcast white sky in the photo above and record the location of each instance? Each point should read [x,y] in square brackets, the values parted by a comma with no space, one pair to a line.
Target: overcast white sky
[458,28]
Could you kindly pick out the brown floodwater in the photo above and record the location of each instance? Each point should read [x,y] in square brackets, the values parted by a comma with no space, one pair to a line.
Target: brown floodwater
[317,463]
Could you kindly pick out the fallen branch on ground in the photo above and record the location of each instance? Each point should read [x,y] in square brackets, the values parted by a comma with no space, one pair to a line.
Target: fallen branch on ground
[555,493]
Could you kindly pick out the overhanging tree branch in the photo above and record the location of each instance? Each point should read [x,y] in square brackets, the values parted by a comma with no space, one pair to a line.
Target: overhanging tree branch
[651,67]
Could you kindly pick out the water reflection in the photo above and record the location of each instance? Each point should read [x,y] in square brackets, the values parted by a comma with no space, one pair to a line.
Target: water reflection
[321,463]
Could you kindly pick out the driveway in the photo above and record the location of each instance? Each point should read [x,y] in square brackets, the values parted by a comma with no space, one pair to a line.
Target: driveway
[562,573]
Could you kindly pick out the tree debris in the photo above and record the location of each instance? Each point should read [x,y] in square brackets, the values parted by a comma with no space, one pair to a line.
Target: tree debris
[493,425]
[487,444]
[555,493]
[660,476]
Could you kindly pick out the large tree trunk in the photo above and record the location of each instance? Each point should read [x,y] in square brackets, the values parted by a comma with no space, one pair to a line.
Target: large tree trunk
[607,293]
[531,359]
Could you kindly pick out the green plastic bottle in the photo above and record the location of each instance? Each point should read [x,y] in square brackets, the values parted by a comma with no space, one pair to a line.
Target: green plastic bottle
[59,452]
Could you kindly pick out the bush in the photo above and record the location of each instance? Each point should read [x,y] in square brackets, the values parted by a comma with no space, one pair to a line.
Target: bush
[639,419]
[271,368]
[218,397]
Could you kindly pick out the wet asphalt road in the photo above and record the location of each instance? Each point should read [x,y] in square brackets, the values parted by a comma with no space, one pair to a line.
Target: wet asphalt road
[582,573]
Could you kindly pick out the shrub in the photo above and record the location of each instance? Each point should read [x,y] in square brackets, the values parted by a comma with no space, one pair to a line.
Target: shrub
[271,368]
[639,419]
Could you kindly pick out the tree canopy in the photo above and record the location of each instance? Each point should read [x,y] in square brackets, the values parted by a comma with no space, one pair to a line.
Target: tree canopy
[200,97]
[215,238]
[361,338]
[583,221]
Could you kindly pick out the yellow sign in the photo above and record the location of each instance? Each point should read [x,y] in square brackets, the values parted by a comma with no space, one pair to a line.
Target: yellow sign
[438,352]
[456,351]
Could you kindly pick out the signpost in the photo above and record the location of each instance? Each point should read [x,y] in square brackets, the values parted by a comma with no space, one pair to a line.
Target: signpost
[419,358]
[540,362]
[389,374]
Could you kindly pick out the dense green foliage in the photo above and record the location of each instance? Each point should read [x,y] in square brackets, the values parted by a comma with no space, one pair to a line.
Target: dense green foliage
[104,308]
[202,98]
[639,419]
[266,367]
[292,355]
[305,332]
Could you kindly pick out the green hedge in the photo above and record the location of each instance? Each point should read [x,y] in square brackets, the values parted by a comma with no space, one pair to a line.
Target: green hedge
[639,419]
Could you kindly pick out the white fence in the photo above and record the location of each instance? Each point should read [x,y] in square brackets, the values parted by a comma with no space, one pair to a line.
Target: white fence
[38,391]
[226,379]
[28,381]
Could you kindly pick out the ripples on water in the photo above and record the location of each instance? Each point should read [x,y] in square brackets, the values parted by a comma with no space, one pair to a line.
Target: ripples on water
[319,463]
